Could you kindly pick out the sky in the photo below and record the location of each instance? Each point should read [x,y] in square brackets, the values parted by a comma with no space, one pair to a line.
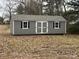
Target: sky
[3,4]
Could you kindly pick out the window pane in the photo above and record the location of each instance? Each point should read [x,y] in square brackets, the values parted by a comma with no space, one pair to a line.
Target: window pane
[44,24]
[38,24]
[39,30]
[57,24]
[44,30]
[25,24]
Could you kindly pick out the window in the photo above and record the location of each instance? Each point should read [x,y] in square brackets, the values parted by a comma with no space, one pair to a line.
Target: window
[56,25]
[25,24]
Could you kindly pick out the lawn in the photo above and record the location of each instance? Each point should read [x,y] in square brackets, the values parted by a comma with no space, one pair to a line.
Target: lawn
[38,46]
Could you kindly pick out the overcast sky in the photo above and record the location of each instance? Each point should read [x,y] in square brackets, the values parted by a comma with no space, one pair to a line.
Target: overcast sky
[3,3]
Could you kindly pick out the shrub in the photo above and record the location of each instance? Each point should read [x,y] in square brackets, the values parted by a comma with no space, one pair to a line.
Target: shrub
[1,20]
[74,28]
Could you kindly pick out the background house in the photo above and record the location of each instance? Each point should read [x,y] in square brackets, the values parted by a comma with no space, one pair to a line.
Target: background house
[37,24]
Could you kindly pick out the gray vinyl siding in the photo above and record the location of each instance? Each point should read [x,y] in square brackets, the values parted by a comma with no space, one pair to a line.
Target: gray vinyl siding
[18,30]
[51,29]
[32,30]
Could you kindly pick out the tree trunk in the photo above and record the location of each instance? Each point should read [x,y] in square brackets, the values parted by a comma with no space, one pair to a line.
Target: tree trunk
[64,6]
[10,16]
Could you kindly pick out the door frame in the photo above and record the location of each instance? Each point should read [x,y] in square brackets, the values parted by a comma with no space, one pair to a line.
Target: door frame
[42,27]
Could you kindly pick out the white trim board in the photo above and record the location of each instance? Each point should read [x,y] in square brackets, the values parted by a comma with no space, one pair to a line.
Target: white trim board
[42,27]
[13,27]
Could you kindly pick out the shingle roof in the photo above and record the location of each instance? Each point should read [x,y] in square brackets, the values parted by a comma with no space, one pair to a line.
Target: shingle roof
[38,18]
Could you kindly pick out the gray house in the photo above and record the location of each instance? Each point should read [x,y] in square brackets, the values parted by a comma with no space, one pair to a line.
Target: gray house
[37,24]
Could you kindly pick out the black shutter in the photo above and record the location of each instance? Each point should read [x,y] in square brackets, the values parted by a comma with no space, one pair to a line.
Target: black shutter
[21,24]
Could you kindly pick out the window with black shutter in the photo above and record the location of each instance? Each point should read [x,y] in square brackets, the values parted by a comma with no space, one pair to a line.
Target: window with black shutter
[56,24]
[25,24]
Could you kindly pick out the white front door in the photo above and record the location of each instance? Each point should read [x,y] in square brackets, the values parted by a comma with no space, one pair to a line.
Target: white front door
[41,27]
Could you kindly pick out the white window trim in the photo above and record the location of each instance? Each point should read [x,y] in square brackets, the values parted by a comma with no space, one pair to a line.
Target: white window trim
[23,24]
[42,27]
[55,24]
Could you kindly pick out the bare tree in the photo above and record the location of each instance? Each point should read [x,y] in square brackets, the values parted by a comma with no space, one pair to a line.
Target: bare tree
[35,7]
[54,7]
[64,4]
[10,6]
[31,7]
